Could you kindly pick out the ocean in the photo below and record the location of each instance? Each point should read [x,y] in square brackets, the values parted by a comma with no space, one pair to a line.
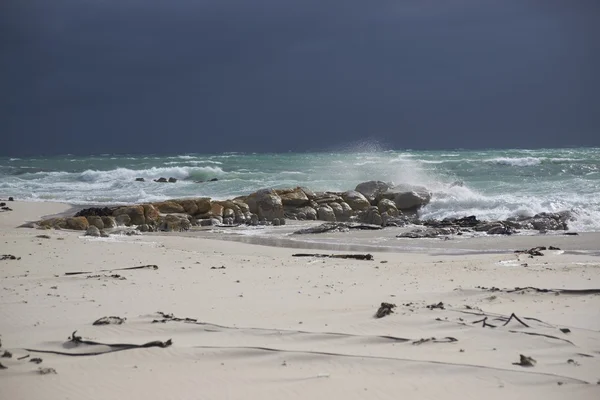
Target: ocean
[491,184]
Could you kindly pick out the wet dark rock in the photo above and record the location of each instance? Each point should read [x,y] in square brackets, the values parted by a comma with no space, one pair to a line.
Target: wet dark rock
[9,257]
[336,227]
[11,199]
[172,180]
[214,180]
[161,180]
[421,233]
[36,360]
[140,180]
[465,222]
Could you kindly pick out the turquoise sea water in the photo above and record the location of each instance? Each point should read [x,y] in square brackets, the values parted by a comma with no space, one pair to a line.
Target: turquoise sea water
[496,183]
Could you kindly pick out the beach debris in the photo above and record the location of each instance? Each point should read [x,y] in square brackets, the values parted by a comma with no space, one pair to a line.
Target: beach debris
[109,321]
[367,257]
[6,354]
[384,310]
[171,317]
[573,362]
[9,257]
[565,330]
[43,236]
[484,323]
[36,360]
[24,357]
[543,335]
[6,208]
[447,339]
[541,290]
[513,315]
[114,276]
[553,248]
[77,340]
[533,252]
[221,267]
[46,371]
[149,266]
[525,361]
[438,306]
[2,366]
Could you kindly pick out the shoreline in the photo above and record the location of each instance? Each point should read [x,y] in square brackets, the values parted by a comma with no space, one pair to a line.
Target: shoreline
[383,240]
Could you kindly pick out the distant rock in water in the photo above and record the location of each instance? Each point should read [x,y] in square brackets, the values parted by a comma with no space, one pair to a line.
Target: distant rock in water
[172,180]
[161,180]
[214,180]
[140,180]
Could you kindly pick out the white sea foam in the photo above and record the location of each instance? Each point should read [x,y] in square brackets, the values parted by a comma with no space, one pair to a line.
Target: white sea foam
[516,162]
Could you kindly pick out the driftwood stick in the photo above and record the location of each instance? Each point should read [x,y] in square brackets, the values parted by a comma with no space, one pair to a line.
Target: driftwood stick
[513,315]
[112,347]
[543,335]
[109,270]
[367,257]
[484,323]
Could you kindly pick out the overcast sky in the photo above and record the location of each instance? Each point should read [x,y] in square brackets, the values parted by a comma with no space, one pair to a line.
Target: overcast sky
[178,76]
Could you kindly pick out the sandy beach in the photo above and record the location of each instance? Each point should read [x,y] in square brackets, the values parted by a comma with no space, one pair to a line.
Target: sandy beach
[252,321]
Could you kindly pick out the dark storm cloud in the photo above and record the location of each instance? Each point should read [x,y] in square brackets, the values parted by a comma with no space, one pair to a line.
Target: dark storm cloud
[231,75]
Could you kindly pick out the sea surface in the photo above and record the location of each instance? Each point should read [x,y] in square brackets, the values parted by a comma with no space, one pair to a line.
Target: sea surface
[490,184]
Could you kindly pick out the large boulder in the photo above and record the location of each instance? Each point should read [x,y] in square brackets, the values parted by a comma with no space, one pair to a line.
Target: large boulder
[338,210]
[292,197]
[370,216]
[169,207]
[189,206]
[372,189]
[109,222]
[326,198]
[216,209]
[266,203]
[203,205]
[92,231]
[151,214]
[96,221]
[346,211]
[356,200]
[174,223]
[306,213]
[77,223]
[407,197]
[243,206]
[122,220]
[56,223]
[325,213]
[135,213]
[387,206]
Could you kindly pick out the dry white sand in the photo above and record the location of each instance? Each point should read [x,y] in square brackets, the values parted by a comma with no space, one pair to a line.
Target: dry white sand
[269,325]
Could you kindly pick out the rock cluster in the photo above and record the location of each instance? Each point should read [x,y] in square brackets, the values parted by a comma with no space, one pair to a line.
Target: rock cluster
[457,226]
[372,204]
